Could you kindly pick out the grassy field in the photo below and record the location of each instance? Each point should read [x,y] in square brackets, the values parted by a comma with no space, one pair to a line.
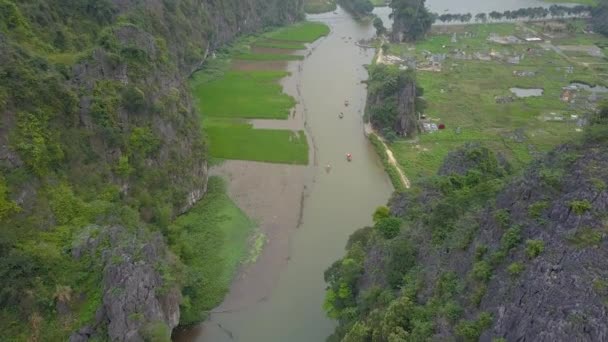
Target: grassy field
[264,145]
[279,44]
[243,94]
[463,95]
[226,98]
[306,32]
[268,57]
[319,6]
[213,238]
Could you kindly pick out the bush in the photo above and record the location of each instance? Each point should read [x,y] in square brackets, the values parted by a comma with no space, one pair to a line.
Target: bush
[402,258]
[580,207]
[482,271]
[534,248]
[503,217]
[510,238]
[7,206]
[536,209]
[389,227]
[586,237]
[381,213]
[156,332]
[471,330]
[133,99]
[515,269]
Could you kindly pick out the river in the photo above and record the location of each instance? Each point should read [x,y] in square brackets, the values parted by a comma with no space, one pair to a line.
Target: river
[338,202]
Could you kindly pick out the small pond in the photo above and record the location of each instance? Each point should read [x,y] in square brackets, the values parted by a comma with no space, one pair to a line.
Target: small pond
[527,92]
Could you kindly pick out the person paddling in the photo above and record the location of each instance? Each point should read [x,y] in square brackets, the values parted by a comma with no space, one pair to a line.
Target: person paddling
[341,115]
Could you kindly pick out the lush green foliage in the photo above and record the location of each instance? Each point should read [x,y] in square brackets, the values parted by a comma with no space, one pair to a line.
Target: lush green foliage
[388,227]
[211,239]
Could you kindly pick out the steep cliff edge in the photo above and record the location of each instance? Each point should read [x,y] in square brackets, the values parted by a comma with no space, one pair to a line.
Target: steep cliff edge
[480,253]
[97,128]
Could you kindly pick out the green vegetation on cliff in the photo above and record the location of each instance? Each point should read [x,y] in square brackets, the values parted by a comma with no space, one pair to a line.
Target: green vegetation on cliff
[100,149]
[467,250]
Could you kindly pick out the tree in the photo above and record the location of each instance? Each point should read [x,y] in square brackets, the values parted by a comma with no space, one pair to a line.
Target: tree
[379,25]
[495,15]
[389,227]
[411,20]
[466,17]
[481,17]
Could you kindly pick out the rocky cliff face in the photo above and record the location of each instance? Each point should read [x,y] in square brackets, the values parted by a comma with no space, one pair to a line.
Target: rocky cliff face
[484,255]
[391,101]
[97,127]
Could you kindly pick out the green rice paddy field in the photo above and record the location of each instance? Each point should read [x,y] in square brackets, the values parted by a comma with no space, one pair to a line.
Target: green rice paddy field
[226,98]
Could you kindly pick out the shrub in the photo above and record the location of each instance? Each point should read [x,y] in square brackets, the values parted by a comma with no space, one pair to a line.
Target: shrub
[580,207]
[552,178]
[510,238]
[381,213]
[586,237]
[471,330]
[482,271]
[389,227]
[156,332]
[534,248]
[402,258]
[536,209]
[133,99]
[480,251]
[477,295]
[503,218]
[515,269]
[7,206]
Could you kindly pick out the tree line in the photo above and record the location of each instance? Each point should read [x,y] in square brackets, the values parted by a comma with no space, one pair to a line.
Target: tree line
[531,13]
